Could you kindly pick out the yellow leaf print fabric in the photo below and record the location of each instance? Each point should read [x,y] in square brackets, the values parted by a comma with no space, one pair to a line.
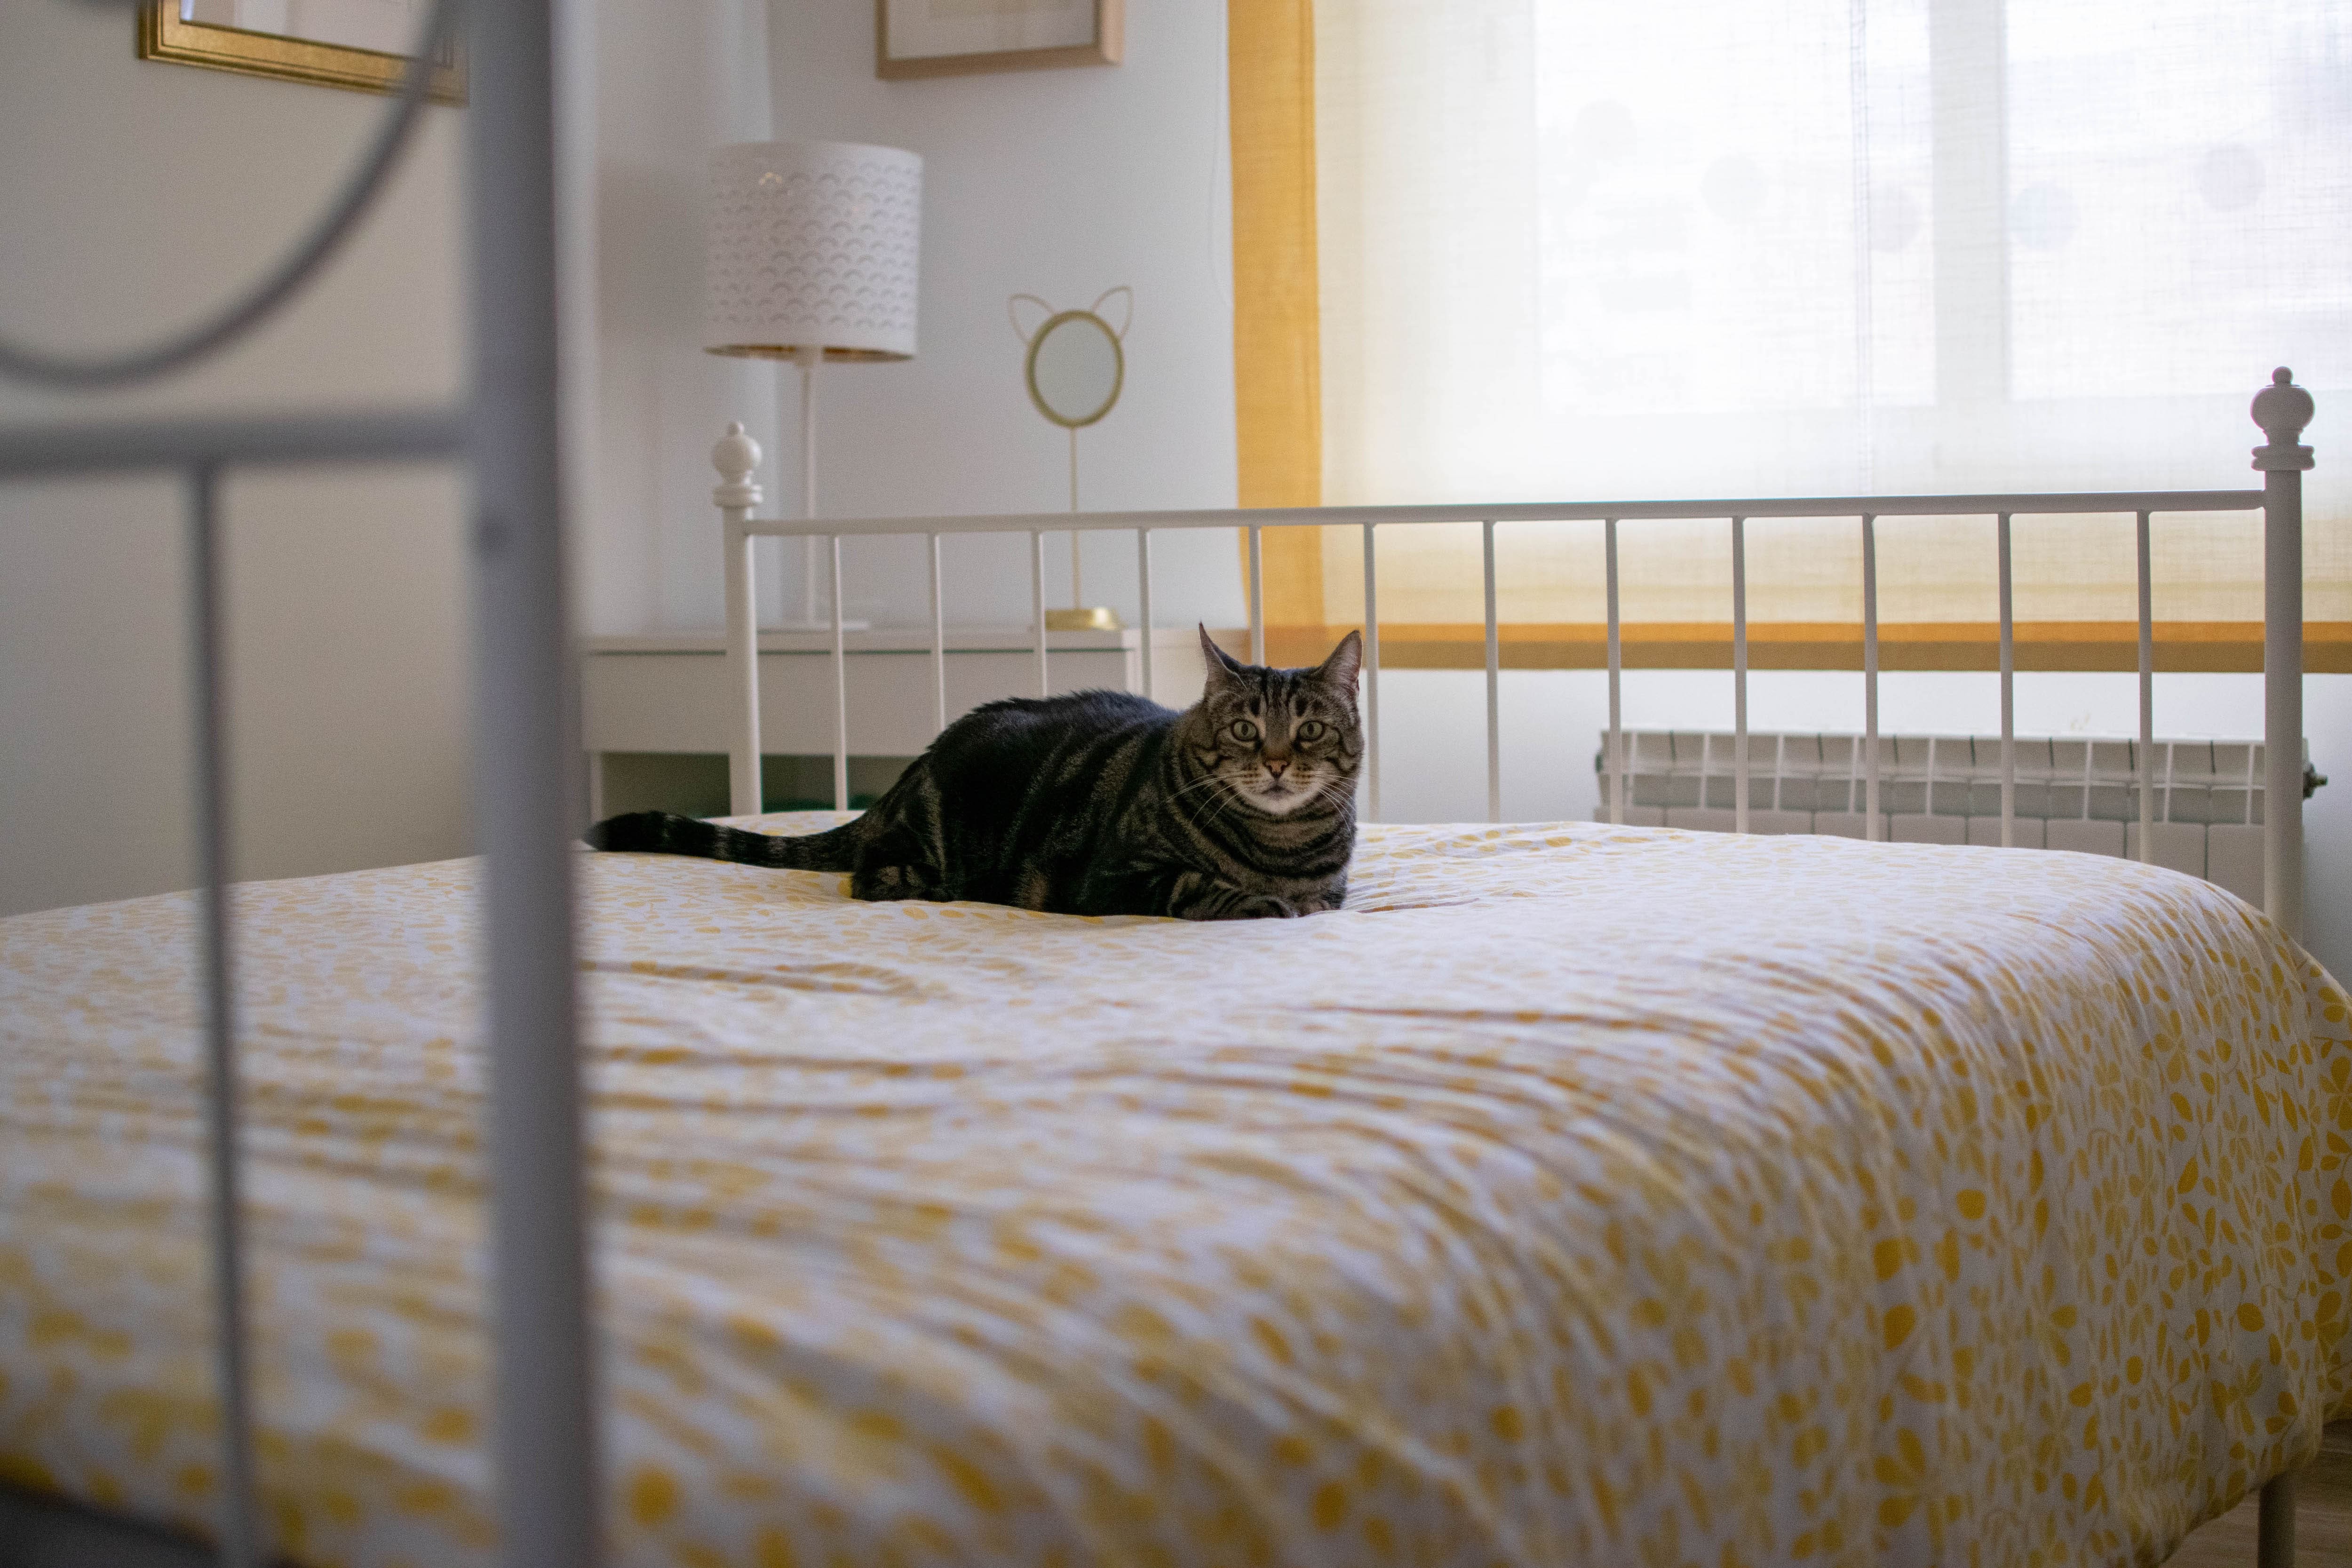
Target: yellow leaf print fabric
[1576,1195]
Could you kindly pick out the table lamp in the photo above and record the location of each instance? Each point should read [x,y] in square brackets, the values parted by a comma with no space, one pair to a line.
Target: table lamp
[813,256]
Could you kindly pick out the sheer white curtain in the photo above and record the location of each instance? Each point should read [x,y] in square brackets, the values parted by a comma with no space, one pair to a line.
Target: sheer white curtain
[1756,247]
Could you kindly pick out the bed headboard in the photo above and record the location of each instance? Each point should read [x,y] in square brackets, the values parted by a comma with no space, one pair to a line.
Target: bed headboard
[2282,409]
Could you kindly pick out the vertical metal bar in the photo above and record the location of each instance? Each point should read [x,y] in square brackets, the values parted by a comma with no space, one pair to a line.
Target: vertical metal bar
[808,357]
[2283,409]
[2008,695]
[1739,674]
[1494,688]
[241,1545]
[1037,603]
[1371,675]
[1143,572]
[743,655]
[2146,704]
[840,685]
[1616,670]
[1257,597]
[544,1412]
[939,643]
[1870,676]
[736,457]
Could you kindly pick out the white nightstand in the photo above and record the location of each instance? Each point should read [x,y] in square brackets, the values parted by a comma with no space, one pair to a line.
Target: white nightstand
[654,708]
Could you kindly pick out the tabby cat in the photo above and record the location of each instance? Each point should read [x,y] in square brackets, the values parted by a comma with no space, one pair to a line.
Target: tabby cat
[1100,803]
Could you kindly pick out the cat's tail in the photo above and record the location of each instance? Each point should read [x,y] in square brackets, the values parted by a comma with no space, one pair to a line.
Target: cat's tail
[664,833]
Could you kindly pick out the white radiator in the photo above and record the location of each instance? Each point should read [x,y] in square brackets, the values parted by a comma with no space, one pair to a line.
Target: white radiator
[2072,792]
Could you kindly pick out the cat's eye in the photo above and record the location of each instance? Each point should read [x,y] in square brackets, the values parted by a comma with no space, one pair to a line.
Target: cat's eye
[1312,730]
[1244,730]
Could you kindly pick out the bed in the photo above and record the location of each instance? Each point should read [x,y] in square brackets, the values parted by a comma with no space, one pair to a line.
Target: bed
[1747,1199]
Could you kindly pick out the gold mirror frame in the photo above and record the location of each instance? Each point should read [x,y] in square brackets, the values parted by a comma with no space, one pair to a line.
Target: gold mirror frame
[163,36]
[1118,370]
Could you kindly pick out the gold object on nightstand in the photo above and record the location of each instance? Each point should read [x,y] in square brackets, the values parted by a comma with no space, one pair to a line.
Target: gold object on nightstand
[1100,618]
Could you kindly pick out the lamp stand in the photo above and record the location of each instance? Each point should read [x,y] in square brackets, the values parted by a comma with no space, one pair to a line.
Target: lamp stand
[809,620]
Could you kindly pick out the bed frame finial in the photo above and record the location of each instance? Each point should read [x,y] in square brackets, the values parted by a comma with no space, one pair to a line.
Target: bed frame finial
[735,456]
[2282,409]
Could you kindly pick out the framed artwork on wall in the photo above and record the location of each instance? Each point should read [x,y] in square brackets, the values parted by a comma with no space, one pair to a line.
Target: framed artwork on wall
[358,44]
[953,38]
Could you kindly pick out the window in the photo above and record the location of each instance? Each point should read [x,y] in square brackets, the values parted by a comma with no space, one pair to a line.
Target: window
[1746,248]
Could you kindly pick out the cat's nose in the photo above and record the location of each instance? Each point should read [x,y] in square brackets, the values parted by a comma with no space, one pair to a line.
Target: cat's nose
[1277,767]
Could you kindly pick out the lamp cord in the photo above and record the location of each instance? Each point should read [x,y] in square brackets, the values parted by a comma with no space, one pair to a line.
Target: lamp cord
[296,268]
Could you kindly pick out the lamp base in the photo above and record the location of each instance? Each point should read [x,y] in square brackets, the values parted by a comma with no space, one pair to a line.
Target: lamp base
[1101,619]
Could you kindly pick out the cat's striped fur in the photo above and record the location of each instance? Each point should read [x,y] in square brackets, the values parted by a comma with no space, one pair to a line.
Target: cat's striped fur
[1100,803]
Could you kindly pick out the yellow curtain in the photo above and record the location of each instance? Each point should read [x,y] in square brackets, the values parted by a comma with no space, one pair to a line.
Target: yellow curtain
[1277,349]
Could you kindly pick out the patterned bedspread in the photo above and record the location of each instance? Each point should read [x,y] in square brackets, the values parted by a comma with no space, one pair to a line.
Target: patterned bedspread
[1575,1195]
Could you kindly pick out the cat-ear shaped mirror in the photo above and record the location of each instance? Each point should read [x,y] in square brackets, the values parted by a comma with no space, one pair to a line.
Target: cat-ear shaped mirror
[1078,361]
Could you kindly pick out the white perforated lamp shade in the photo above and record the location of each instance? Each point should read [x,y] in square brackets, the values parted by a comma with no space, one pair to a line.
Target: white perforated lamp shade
[813,244]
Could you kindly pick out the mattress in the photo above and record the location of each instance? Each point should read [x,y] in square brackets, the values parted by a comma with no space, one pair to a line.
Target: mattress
[1575,1195]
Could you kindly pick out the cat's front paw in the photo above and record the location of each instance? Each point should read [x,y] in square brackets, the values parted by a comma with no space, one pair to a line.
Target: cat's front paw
[1263,907]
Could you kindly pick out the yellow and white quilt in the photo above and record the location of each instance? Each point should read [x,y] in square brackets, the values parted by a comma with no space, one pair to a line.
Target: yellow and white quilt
[1576,1195]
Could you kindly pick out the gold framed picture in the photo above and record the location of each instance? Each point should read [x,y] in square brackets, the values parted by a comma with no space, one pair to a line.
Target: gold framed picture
[358,44]
[954,37]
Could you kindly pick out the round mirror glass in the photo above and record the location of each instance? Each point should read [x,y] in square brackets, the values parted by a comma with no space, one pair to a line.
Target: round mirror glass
[1074,368]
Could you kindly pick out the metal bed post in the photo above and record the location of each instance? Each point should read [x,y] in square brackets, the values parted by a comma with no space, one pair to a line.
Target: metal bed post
[240,1526]
[545,1407]
[1494,686]
[735,456]
[1739,674]
[2282,409]
[1371,678]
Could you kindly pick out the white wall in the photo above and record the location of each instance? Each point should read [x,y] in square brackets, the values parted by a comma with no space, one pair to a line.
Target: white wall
[673,80]
[137,193]
[1056,183]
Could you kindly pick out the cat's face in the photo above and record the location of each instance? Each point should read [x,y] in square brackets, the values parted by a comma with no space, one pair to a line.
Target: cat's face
[1283,737]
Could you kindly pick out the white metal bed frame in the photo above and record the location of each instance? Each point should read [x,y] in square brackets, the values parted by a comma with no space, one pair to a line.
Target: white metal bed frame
[2282,409]
[544,1404]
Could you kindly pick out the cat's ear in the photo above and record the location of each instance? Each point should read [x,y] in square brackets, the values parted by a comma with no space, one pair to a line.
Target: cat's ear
[1029,313]
[1221,665]
[1346,660]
